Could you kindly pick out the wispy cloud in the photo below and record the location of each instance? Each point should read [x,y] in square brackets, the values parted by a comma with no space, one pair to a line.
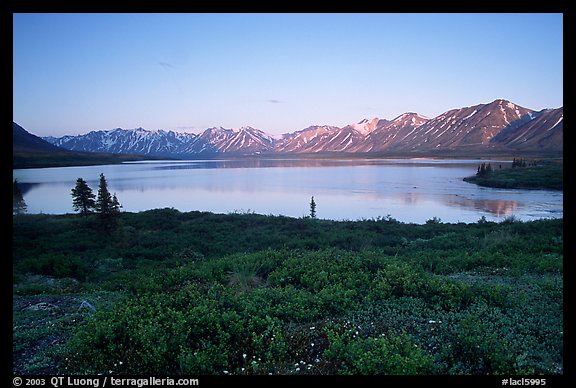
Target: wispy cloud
[169,69]
[166,64]
[273,101]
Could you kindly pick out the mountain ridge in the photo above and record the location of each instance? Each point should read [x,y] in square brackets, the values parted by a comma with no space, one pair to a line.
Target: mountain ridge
[31,151]
[498,126]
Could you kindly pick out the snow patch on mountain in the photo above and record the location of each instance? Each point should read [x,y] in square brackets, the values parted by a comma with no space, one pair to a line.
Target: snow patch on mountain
[365,126]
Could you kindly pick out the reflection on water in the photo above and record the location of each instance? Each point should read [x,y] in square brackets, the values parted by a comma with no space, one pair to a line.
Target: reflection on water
[26,187]
[301,162]
[410,198]
[251,163]
[409,190]
[498,207]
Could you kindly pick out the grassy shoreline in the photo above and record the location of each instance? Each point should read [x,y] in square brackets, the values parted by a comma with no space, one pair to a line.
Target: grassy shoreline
[546,175]
[202,293]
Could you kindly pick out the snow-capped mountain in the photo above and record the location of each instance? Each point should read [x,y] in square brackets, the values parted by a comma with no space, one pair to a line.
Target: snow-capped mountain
[366,126]
[245,139]
[309,139]
[135,141]
[322,138]
[497,126]
[465,127]
[389,132]
[538,130]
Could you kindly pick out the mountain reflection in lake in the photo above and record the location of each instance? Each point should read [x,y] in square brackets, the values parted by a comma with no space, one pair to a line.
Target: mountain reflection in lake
[497,207]
[409,190]
[252,163]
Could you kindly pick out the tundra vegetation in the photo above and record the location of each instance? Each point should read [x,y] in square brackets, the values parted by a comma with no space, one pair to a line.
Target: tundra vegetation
[166,292]
[534,174]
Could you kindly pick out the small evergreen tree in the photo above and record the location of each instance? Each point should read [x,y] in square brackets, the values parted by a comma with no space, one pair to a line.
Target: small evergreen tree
[312,208]
[107,205]
[115,204]
[83,199]
[18,204]
[519,162]
[104,200]
[483,169]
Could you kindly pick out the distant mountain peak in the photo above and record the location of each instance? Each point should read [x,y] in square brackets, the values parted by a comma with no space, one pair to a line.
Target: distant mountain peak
[365,126]
[409,115]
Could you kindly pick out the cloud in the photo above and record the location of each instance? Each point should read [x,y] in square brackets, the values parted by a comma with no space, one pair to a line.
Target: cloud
[166,64]
[273,101]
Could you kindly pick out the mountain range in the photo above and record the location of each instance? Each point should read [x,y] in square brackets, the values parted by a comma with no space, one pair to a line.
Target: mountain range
[31,151]
[499,126]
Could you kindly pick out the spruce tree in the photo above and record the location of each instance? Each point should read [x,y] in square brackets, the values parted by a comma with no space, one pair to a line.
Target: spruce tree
[481,169]
[107,206]
[83,199]
[312,208]
[18,204]
[104,200]
[115,204]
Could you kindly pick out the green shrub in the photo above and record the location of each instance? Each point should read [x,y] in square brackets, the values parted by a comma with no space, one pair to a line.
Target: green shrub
[387,354]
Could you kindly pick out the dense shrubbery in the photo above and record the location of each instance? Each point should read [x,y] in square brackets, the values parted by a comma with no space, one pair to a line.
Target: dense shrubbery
[248,294]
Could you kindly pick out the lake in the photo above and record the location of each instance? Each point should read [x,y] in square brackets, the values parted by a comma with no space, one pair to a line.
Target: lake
[408,190]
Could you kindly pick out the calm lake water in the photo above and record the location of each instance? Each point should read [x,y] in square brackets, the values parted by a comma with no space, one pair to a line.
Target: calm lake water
[409,190]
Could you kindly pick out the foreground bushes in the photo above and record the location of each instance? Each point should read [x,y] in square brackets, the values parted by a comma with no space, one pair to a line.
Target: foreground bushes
[375,297]
[328,311]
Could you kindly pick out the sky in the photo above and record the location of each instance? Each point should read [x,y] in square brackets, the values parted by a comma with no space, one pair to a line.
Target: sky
[280,73]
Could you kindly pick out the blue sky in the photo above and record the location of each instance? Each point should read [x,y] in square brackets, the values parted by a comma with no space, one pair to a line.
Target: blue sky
[74,73]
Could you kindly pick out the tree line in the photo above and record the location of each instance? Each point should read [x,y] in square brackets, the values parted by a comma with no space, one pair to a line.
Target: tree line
[84,201]
[521,162]
[105,204]
[485,168]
